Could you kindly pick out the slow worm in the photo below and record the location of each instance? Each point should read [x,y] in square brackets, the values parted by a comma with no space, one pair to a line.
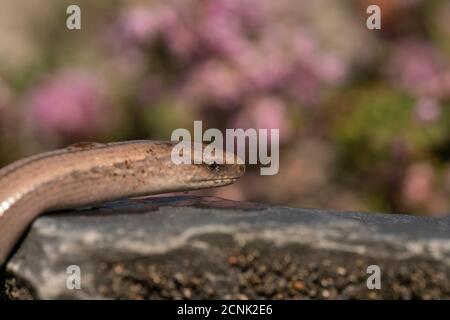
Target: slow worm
[89,173]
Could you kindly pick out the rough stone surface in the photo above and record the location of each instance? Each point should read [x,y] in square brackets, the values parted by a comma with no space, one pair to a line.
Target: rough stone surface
[202,247]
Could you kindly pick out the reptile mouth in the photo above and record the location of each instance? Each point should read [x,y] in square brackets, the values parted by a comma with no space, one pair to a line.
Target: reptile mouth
[218,181]
[224,180]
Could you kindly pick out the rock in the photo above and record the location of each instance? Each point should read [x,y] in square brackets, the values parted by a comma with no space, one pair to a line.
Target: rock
[187,247]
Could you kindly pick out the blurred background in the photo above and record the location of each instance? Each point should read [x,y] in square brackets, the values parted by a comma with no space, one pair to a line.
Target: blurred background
[364,116]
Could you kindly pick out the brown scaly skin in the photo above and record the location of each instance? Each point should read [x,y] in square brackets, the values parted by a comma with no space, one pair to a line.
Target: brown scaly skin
[88,173]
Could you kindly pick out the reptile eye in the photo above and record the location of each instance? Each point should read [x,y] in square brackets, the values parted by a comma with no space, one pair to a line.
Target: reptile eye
[213,166]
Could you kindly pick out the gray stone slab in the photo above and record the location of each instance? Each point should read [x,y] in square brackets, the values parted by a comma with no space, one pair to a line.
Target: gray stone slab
[203,247]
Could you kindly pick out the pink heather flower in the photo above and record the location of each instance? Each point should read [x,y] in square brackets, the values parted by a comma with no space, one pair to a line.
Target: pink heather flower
[417,186]
[69,103]
[134,28]
[427,109]
[331,70]
[221,31]
[214,82]
[305,86]
[255,45]
[418,68]
[264,70]
[137,25]
[303,44]
[265,113]
[181,39]
[231,26]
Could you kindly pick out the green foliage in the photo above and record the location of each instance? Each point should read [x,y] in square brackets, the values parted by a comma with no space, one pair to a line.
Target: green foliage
[365,130]
[379,117]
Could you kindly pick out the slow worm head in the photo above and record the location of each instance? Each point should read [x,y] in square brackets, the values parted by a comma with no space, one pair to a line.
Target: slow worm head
[88,173]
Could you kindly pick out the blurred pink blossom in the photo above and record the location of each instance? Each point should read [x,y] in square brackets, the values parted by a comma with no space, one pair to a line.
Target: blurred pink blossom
[264,70]
[214,82]
[234,49]
[331,69]
[265,113]
[137,25]
[70,103]
[181,39]
[417,185]
[220,28]
[417,67]
[427,109]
